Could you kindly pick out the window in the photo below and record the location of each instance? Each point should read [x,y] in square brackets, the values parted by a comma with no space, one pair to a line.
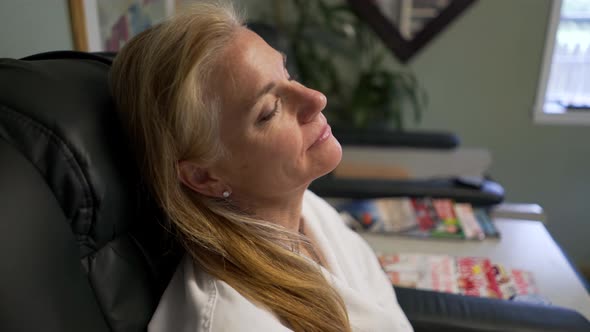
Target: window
[564,90]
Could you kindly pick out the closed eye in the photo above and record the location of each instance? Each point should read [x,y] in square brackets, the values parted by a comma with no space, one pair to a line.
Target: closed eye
[266,117]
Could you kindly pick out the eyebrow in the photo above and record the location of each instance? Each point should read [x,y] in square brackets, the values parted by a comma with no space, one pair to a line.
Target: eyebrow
[268,87]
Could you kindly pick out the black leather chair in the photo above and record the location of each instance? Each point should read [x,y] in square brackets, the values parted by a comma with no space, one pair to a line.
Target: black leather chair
[78,252]
[81,245]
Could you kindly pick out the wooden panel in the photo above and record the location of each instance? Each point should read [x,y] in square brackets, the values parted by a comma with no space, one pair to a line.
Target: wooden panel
[78,22]
[367,171]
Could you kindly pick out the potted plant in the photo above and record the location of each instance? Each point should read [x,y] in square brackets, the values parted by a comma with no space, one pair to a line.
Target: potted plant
[336,53]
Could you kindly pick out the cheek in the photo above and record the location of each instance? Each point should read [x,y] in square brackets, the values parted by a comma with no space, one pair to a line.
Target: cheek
[287,144]
[276,154]
[266,153]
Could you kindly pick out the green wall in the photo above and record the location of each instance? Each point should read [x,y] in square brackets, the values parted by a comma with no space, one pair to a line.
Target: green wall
[482,76]
[32,26]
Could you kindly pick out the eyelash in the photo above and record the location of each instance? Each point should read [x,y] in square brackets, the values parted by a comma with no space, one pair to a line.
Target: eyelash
[272,113]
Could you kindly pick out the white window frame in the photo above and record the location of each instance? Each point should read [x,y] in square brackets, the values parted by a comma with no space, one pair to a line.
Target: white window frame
[539,116]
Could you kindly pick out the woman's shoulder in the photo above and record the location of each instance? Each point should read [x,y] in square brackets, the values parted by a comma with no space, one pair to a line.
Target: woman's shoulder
[196,301]
[187,303]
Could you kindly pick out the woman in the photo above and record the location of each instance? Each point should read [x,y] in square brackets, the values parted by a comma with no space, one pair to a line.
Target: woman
[229,143]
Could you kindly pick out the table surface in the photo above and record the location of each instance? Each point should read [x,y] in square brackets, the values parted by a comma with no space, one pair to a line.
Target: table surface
[524,244]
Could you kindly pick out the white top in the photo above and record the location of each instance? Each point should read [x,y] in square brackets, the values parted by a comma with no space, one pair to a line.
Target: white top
[196,301]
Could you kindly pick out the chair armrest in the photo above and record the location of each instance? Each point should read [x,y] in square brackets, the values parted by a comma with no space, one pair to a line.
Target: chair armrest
[391,138]
[483,193]
[433,311]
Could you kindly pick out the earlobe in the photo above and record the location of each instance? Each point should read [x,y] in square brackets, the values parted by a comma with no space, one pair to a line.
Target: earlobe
[198,179]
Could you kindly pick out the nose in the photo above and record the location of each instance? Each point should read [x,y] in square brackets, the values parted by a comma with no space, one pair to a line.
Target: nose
[308,103]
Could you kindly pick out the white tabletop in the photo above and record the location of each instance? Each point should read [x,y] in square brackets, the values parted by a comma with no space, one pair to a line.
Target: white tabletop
[524,244]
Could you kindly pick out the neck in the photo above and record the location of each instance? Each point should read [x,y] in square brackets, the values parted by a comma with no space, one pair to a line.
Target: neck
[283,210]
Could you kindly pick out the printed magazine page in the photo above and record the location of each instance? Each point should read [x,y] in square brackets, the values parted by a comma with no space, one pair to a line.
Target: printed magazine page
[473,276]
[419,217]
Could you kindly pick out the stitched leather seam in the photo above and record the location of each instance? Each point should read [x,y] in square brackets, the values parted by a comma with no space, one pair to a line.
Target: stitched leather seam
[65,150]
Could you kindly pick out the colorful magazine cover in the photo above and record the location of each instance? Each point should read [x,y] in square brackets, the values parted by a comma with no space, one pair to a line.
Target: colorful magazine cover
[469,224]
[430,272]
[418,217]
[473,276]
[504,281]
[476,277]
[486,223]
[448,225]
[514,282]
[382,215]
[425,214]
[436,218]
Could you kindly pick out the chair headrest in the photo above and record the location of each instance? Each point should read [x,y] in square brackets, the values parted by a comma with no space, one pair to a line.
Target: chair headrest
[57,110]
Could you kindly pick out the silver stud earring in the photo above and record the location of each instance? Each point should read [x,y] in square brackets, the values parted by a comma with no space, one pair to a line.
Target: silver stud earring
[226,194]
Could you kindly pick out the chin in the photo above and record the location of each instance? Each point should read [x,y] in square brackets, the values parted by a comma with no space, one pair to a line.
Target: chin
[331,155]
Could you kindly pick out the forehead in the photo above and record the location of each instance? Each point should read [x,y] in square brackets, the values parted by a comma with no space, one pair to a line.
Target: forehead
[245,66]
[245,48]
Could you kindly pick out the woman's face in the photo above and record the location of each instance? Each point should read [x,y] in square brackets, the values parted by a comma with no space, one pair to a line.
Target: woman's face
[272,126]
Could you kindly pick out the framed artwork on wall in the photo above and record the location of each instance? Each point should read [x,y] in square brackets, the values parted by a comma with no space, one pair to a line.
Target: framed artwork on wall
[406,26]
[105,25]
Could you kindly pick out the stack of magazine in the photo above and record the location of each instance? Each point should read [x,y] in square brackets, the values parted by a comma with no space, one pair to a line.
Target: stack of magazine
[421,217]
[475,276]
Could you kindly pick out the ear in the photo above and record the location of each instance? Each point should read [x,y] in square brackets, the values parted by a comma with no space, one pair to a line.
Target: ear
[199,179]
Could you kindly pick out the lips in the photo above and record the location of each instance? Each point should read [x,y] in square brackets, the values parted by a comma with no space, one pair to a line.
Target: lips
[324,135]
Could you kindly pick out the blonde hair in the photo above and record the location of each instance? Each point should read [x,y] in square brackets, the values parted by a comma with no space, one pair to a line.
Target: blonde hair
[159,82]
